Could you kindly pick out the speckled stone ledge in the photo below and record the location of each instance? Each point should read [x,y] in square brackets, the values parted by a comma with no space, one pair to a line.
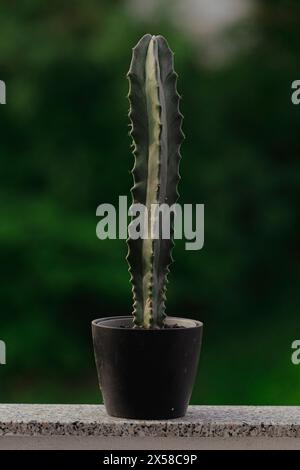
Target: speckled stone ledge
[200,421]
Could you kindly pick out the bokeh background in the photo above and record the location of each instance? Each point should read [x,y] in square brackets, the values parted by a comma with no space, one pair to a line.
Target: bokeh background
[65,149]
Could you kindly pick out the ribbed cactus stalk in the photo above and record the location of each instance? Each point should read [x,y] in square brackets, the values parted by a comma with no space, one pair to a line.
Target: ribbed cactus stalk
[157,135]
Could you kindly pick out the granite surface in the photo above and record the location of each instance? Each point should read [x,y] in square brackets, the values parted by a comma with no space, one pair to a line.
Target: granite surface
[200,421]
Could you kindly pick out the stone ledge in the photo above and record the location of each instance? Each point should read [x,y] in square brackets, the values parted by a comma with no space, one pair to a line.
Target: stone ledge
[200,422]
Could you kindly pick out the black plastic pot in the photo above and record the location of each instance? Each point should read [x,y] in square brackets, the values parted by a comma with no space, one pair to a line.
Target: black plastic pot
[146,374]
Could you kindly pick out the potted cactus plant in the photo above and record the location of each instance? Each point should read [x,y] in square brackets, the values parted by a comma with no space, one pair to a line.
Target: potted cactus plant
[147,362]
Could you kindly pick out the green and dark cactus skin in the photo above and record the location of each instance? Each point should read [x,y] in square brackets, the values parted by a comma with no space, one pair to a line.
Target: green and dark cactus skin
[157,136]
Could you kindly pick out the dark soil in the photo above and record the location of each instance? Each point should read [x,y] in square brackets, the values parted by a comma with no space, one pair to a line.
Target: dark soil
[165,327]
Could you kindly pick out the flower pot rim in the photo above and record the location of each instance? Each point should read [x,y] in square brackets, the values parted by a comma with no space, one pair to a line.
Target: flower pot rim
[187,323]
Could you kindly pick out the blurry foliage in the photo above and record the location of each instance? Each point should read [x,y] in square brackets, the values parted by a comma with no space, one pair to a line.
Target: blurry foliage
[64,150]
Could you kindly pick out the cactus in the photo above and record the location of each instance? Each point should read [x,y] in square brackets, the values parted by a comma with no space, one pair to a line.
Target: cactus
[155,122]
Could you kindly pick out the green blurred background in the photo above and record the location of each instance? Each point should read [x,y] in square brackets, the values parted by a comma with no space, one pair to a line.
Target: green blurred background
[65,149]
